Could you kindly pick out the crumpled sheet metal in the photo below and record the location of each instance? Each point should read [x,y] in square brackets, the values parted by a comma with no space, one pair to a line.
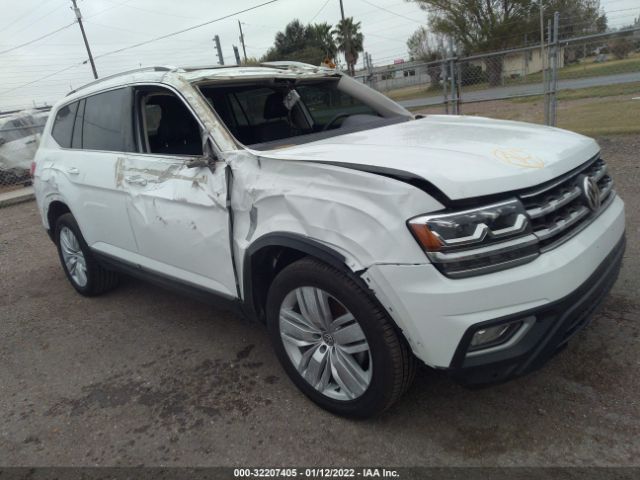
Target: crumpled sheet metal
[223,140]
[360,215]
[47,191]
[178,215]
[253,73]
[176,182]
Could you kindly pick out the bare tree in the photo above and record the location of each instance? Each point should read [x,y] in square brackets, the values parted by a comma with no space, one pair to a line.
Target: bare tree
[423,46]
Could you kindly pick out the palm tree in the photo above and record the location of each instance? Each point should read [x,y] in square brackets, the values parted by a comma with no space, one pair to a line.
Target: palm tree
[320,35]
[350,40]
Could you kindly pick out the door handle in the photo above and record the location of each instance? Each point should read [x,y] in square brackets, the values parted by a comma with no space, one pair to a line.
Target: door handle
[136,180]
[73,171]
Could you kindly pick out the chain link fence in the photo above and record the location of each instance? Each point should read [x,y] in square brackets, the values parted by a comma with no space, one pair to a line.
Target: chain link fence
[19,137]
[584,83]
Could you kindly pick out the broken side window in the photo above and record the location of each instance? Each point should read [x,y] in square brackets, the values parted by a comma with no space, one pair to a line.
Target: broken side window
[169,127]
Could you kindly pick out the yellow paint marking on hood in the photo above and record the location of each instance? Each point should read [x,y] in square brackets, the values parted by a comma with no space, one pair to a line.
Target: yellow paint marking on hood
[518,157]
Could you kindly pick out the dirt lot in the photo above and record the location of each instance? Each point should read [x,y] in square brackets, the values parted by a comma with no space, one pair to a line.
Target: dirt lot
[143,376]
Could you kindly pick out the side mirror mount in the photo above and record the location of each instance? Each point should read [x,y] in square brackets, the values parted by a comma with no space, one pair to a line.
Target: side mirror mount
[207,160]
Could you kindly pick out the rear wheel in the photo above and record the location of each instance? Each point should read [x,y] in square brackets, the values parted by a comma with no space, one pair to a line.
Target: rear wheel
[335,342]
[86,275]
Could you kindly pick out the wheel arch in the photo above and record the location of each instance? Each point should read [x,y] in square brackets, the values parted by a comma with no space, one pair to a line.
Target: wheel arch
[55,209]
[271,253]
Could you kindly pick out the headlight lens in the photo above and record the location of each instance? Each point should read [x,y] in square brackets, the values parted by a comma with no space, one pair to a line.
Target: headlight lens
[470,227]
[477,241]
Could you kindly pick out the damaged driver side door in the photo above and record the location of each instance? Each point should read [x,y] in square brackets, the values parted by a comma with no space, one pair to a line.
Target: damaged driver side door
[177,212]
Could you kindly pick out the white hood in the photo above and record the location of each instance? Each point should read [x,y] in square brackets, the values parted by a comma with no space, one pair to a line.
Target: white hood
[462,156]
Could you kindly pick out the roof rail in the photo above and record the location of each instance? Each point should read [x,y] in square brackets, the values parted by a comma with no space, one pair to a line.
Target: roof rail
[209,67]
[285,64]
[115,75]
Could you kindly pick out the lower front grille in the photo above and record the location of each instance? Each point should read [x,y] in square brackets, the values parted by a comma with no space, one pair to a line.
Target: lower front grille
[560,210]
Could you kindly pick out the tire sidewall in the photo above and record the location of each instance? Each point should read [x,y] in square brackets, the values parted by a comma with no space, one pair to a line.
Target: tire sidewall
[354,298]
[67,220]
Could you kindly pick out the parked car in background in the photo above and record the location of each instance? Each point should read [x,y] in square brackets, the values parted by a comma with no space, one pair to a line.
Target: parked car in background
[366,238]
[19,135]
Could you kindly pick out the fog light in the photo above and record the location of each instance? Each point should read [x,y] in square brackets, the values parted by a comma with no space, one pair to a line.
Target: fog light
[492,336]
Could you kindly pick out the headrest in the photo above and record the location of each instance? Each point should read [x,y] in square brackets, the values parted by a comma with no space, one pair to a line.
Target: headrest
[176,122]
[274,106]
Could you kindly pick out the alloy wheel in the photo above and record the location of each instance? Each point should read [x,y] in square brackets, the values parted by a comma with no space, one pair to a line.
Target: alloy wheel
[73,257]
[325,343]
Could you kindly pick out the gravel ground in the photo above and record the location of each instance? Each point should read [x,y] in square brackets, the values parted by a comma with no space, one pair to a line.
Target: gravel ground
[144,376]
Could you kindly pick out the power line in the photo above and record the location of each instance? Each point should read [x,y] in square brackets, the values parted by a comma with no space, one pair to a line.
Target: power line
[21,17]
[319,11]
[392,12]
[384,38]
[156,12]
[36,40]
[100,12]
[42,78]
[184,30]
[33,22]
[133,32]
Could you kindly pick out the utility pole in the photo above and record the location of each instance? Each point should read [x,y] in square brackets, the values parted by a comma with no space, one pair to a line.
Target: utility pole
[454,84]
[542,36]
[216,39]
[347,38]
[244,49]
[84,36]
[236,52]
[547,83]
[554,71]
[526,58]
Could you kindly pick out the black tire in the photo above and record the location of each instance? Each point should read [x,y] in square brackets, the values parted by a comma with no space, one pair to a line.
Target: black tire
[99,279]
[394,365]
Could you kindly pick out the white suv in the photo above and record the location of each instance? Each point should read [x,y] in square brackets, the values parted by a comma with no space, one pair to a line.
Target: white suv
[366,238]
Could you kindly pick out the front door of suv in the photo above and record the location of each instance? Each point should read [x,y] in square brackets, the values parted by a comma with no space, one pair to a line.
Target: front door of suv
[178,214]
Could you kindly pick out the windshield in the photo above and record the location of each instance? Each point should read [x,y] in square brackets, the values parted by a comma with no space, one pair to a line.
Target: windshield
[273,114]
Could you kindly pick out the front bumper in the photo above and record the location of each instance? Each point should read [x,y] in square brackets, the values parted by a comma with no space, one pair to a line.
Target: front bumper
[435,312]
[554,325]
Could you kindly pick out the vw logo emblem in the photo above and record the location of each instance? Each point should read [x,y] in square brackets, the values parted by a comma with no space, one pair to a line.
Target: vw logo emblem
[591,193]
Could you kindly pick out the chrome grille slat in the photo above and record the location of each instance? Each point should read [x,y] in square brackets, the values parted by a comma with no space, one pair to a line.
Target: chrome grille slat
[600,172]
[561,208]
[554,212]
[555,204]
[562,224]
[560,181]
[606,189]
[576,230]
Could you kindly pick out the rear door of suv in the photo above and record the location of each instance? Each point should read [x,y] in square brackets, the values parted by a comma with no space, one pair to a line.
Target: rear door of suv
[94,133]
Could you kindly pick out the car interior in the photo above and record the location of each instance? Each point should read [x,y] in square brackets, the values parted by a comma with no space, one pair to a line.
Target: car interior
[260,115]
[169,127]
[275,113]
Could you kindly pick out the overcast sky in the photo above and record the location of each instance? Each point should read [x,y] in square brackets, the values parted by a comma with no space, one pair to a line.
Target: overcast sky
[114,24]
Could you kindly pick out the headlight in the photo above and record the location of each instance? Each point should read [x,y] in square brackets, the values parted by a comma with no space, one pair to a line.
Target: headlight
[476,241]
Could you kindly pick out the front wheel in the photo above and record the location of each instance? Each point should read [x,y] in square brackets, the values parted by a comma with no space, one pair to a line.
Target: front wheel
[335,342]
